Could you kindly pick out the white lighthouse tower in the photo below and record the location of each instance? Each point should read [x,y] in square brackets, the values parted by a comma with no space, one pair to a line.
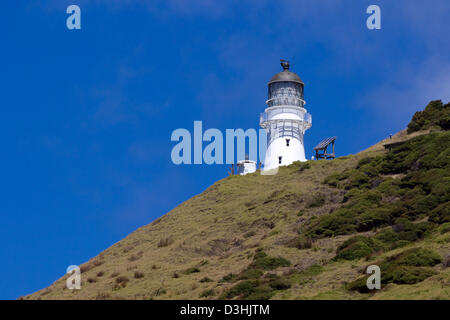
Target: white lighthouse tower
[285,119]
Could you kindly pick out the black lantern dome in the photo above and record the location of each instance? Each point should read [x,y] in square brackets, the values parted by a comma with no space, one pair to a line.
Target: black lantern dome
[286,75]
[286,88]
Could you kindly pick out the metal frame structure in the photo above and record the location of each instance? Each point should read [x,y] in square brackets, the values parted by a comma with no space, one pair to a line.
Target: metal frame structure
[322,146]
[285,127]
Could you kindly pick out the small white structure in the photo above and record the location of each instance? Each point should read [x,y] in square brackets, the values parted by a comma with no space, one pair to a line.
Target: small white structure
[244,167]
[285,119]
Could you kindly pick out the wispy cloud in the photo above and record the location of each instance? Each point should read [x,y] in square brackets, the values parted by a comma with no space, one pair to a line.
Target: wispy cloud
[409,89]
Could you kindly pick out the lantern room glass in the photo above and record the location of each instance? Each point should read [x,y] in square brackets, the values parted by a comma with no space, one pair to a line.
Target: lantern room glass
[285,93]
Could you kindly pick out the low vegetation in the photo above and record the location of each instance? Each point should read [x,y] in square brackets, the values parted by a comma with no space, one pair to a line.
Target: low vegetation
[409,267]
[308,232]
[374,199]
[435,115]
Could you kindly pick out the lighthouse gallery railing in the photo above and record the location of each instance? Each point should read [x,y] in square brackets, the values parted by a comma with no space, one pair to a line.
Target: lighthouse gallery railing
[302,115]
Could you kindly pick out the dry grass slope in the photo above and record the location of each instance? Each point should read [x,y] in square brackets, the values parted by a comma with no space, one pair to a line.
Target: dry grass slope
[208,246]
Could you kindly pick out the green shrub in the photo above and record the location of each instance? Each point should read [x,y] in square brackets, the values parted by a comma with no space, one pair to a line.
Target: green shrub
[332,180]
[335,179]
[253,275]
[355,248]
[408,267]
[397,275]
[409,231]
[416,257]
[250,273]
[386,236]
[436,114]
[263,262]
[242,289]
[340,222]
[229,278]
[372,201]
[400,243]
[445,228]
[207,293]
[358,180]
[441,214]
[280,284]
[390,187]
[261,293]
[407,275]
[352,194]
[373,218]
[389,240]
[311,271]
[359,285]
[262,289]
[364,161]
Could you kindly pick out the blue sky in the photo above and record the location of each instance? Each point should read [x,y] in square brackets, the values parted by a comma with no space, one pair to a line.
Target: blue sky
[86,115]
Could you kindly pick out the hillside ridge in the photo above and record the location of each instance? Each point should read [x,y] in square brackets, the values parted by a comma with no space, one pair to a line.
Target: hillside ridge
[308,232]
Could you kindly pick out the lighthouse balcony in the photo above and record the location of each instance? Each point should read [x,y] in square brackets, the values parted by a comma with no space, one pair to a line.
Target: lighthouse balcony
[279,115]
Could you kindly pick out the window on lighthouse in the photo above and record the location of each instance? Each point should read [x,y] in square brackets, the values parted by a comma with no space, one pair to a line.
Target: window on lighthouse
[279,160]
[287,142]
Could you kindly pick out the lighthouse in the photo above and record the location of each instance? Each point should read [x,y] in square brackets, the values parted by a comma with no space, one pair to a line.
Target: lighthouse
[285,119]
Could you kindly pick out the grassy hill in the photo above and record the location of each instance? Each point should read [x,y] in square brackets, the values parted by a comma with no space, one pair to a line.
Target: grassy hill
[308,232]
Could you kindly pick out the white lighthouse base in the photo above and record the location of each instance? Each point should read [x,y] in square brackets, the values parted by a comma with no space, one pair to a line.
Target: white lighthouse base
[277,148]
